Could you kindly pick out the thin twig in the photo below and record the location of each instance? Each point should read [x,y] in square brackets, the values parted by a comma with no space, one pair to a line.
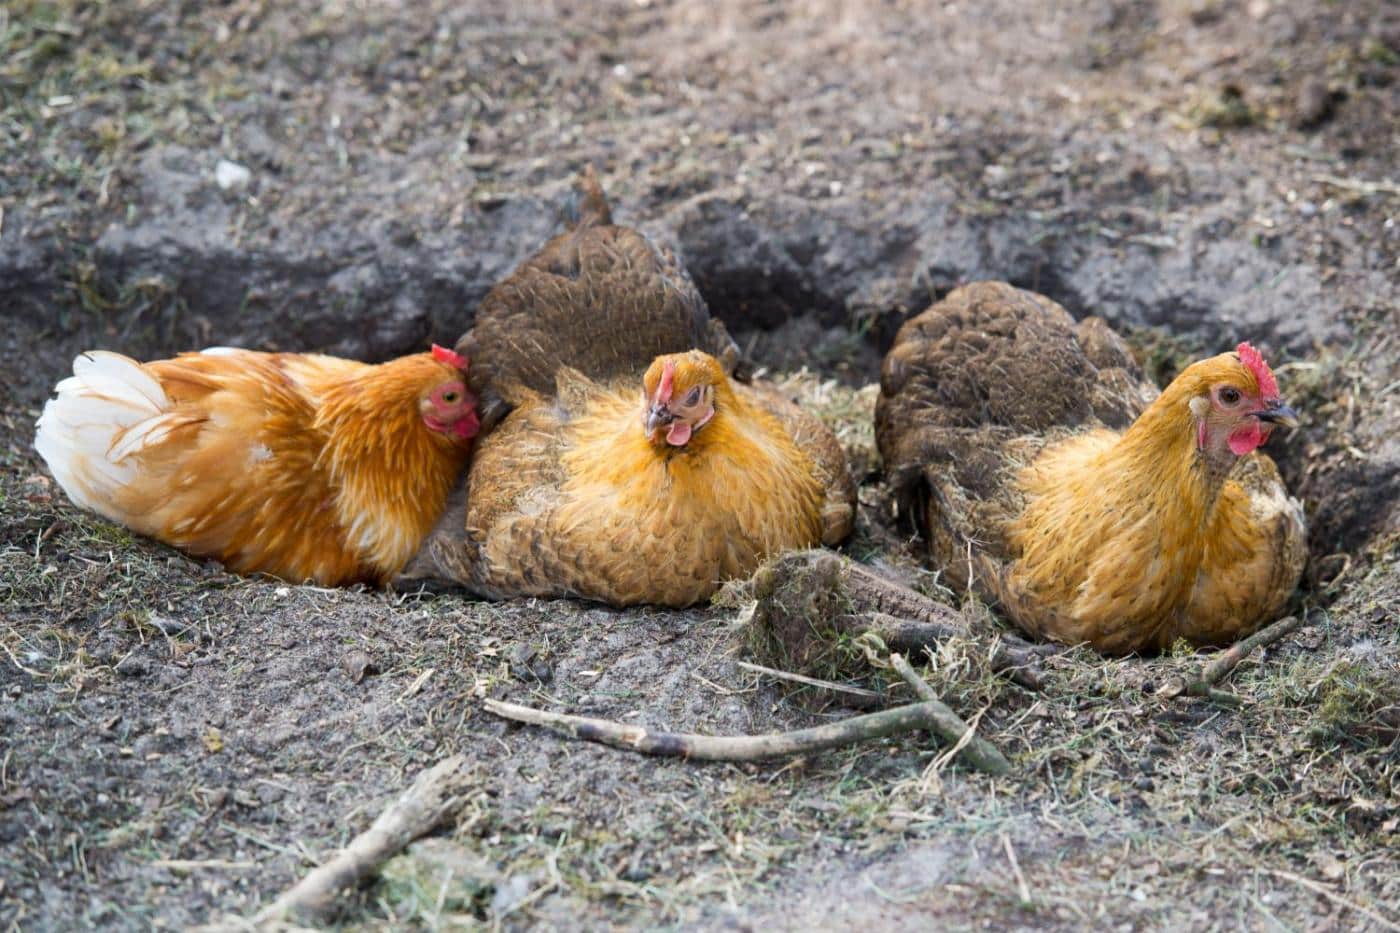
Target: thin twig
[1019,660]
[1225,662]
[188,865]
[1214,694]
[1361,186]
[808,681]
[1336,898]
[725,748]
[15,661]
[956,748]
[1021,887]
[433,796]
[977,751]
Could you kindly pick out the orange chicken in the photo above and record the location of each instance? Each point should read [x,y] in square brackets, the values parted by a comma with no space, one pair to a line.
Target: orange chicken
[302,466]
[1036,463]
[636,466]
[657,497]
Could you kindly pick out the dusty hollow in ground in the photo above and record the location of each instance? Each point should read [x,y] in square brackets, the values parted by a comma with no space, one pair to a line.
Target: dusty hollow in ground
[177,744]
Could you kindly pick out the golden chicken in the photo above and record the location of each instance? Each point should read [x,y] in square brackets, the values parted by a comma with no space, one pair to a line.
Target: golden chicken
[634,468]
[302,466]
[1042,472]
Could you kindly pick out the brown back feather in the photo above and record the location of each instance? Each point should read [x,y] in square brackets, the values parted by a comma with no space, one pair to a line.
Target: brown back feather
[600,298]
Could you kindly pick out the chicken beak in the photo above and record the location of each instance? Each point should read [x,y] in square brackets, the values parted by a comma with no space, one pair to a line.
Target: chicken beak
[1277,413]
[658,416]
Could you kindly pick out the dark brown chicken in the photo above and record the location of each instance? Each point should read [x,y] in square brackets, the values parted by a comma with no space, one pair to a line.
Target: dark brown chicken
[598,298]
[635,467]
[1047,474]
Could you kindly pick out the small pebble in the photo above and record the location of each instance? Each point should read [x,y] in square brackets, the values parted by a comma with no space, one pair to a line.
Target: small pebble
[148,745]
[270,793]
[1314,104]
[132,666]
[229,175]
[167,625]
[527,665]
[356,664]
[511,893]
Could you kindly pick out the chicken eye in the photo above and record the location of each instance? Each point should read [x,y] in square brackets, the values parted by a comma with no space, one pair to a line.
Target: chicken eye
[450,398]
[1229,396]
[692,397]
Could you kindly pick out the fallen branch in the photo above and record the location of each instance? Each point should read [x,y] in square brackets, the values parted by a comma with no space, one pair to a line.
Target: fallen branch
[725,748]
[1220,667]
[977,751]
[434,795]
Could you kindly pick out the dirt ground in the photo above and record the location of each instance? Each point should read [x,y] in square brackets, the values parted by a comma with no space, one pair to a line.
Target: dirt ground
[177,744]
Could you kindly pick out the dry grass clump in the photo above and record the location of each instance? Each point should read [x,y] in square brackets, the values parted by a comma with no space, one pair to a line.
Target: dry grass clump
[795,619]
[849,412]
[1360,702]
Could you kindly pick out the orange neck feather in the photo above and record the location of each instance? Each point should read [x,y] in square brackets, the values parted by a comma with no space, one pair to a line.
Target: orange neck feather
[393,472]
[718,432]
[739,445]
[1160,452]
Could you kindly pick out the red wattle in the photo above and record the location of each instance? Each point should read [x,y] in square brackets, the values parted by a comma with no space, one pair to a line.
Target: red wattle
[679,435]
[1243,440]
[468,426]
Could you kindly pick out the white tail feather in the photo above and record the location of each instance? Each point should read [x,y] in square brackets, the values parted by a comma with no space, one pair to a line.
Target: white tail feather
[108,410]
[119,377]
[149,433]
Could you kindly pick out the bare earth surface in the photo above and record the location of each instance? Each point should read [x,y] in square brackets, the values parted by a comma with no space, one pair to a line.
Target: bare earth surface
[177,745]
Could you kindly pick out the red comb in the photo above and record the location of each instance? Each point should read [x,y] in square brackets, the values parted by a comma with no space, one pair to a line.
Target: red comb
[1254,361]
[668,381]
[450,357]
